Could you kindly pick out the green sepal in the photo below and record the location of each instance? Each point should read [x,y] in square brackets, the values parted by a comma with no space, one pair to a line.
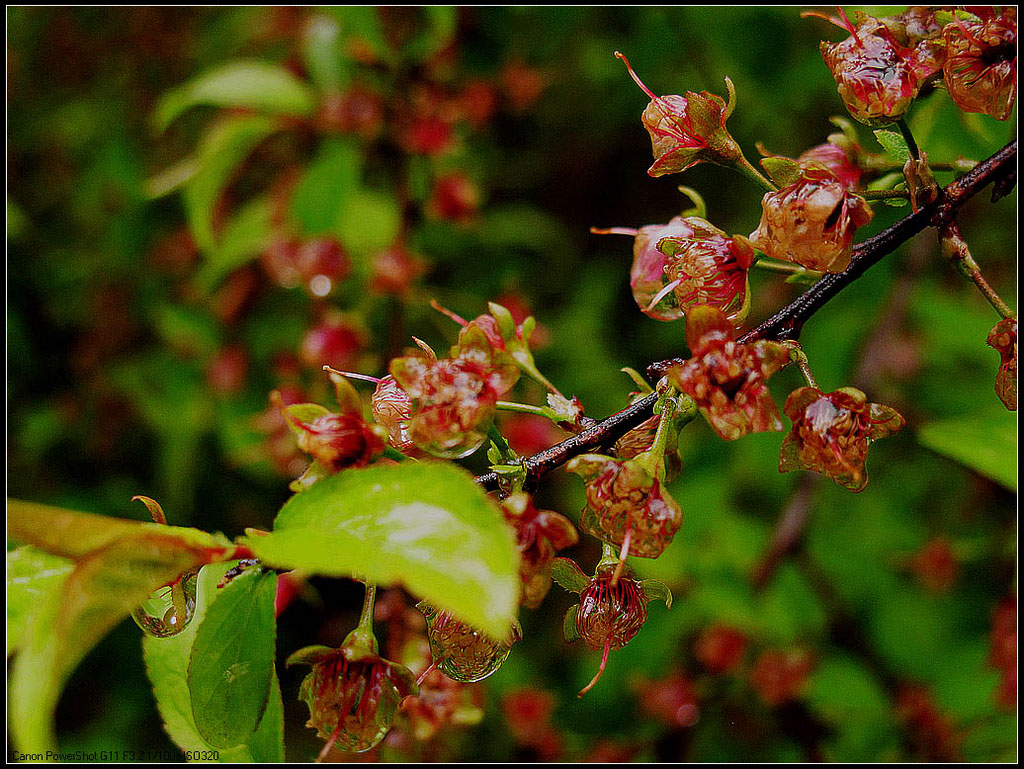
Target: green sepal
[569,624]
[569,575]
[781,170]
[309,655]
[657,590]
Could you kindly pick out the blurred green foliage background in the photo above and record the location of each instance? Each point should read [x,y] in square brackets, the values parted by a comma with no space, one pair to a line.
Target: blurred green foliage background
[146,327]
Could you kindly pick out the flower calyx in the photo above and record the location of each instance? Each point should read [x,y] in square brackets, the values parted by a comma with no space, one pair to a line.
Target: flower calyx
[352,692]
[832,431]
[728,379]
[610,613]
[687,130]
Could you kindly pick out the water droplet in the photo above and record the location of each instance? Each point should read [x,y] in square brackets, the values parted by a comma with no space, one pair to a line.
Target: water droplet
[159,615]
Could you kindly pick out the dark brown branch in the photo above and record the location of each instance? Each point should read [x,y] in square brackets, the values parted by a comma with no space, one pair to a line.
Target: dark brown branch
[787,322]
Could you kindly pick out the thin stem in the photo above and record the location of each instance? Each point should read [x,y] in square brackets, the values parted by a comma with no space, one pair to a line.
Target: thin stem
[885,194]
[908,137]
[366,616]
[786,268]
[748,171]
[799,357]
[955,248]
[601,667]
[522,408]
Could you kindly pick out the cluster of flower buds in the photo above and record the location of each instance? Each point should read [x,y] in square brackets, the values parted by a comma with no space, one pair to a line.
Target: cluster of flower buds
[881,68]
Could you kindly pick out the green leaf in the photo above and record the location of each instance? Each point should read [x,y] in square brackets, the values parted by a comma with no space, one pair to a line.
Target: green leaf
[251,84]
[316,203]
[893,143]
[167,663]
[985,443]
[232,660]
[322,52]
[32,576]
[102,589]
[368,221]
[225,146]
[71,534]
[783,171]
[244,237]
[427,526]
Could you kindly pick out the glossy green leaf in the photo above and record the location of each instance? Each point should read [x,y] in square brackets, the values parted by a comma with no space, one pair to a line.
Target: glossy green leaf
[251,84]
[71,534]
[225,146]
[102,590]
[32,576]
[232,660]
[425,525]
[985,443]
[167,664]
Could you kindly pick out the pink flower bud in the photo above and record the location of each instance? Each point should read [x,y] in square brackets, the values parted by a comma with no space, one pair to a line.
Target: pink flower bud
[981,63]
[812,221]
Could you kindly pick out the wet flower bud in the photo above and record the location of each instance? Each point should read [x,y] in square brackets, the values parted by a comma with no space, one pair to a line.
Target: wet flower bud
[455,198]
[686,130]
[453,399]
[392,408]
[875,75]
[811,222]
[626,505]
[352,694]
[1003,339]
[338,440]
[334,342]
[539,535]
[980,70]
[706,267]
[728,380]
[461,652]
[836,159]
[610,613]
[832,431]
